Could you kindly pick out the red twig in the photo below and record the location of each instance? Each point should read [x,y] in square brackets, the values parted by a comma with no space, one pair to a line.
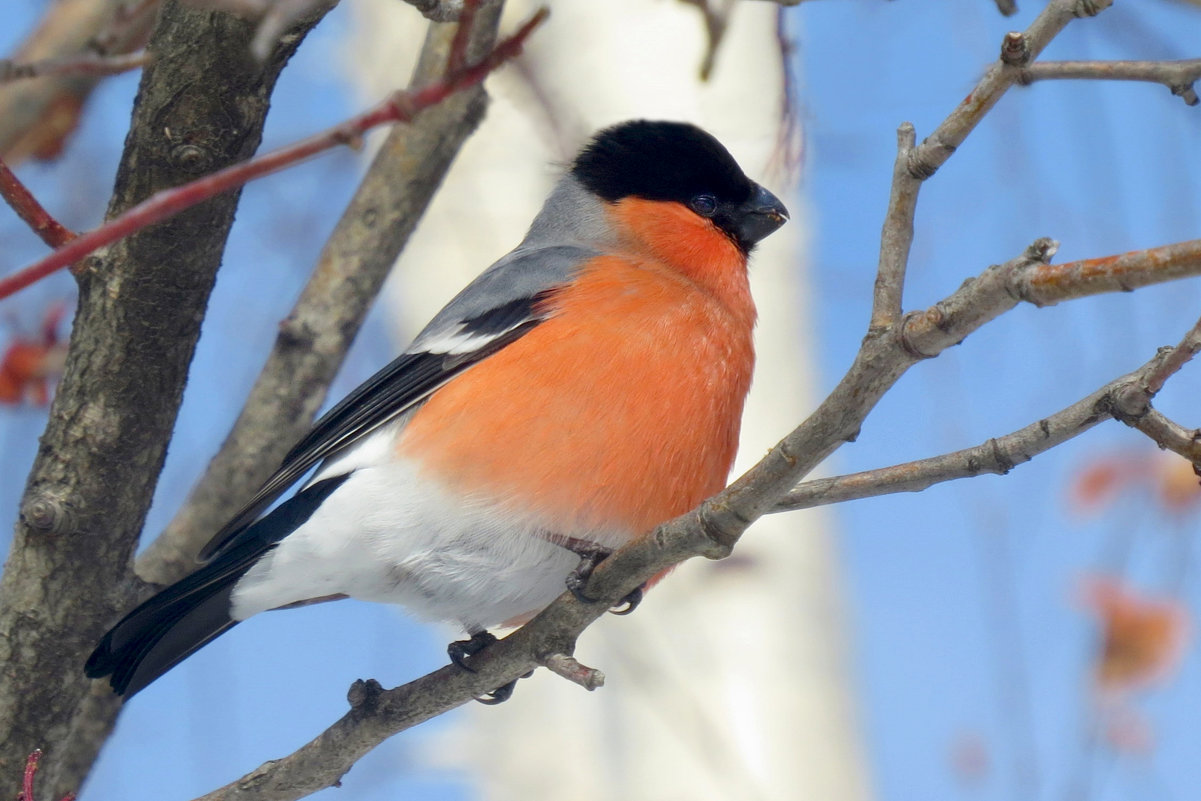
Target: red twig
[31,770]
[400,106]
[28,209]
[457,59]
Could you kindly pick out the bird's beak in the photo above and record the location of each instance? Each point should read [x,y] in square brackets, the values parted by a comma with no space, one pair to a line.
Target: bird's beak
[759,216]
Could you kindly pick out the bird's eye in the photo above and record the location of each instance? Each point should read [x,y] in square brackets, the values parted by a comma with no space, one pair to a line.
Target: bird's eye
[704,205]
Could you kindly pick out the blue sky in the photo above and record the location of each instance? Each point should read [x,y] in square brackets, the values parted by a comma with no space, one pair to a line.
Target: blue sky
[962,597]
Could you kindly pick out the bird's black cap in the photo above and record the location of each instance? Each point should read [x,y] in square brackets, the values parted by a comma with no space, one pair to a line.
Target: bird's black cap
[677,161]
[660,161]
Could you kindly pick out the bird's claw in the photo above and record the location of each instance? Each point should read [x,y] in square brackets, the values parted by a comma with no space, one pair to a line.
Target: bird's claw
[502,693]
[630,602]
[460,653]
[591,556]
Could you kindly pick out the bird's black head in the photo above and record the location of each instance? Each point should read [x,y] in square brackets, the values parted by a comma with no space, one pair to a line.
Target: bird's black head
[676,161]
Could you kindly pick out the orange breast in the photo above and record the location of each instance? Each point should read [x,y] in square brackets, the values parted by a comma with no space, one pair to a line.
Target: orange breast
[619,412]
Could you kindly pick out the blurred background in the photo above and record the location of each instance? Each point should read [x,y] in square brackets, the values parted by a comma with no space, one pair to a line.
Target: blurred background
[1018,637]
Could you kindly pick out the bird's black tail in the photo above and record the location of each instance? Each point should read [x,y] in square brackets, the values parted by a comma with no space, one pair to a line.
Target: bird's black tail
[169,627]
[172,625]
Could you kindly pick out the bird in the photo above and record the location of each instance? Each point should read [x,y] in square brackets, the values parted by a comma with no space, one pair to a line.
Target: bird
[583,389]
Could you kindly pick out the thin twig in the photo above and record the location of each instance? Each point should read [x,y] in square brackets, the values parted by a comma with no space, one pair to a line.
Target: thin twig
[1170,435]
[92,64]
[1178,76]
[27,207]
[934,151]
[570,668]
[1126,398]
[916,164]
[896,236]
[399,107]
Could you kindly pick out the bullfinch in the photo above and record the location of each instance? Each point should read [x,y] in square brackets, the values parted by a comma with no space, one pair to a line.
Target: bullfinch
[585,388]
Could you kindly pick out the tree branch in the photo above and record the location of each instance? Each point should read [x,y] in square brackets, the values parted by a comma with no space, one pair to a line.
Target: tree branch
[1018,50]
[1178,76]
[916,164]
[315,336]
[1121,273]
[1126,398]
[1170,435]
[401,106]
[897,236]
[92,64]
[27,207]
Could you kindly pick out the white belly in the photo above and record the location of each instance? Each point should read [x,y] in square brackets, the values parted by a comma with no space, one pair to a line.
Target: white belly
[390,535]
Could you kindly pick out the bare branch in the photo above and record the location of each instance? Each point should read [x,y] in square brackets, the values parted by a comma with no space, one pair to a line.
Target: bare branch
[27,207]
[1126,398]
[897,236]
[1122,273]
[949,135]
[570,668]
[1007,7]
[92,64]
[1178,76]
[315,336]
[399,107]
[1170,435]
[915,164]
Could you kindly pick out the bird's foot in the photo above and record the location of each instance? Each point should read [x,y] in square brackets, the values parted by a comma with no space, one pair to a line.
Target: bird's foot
[592,555]
[460,653]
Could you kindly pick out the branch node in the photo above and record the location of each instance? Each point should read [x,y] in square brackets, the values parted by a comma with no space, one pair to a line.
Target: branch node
[364,693]
[1129,403]
[48,514]
[190,158]
[1001,461]
[1185,92]
[721,527]
[570,668]
[920,167]
[1015,49]
[1090,8]
[934,317]
[1042,250]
